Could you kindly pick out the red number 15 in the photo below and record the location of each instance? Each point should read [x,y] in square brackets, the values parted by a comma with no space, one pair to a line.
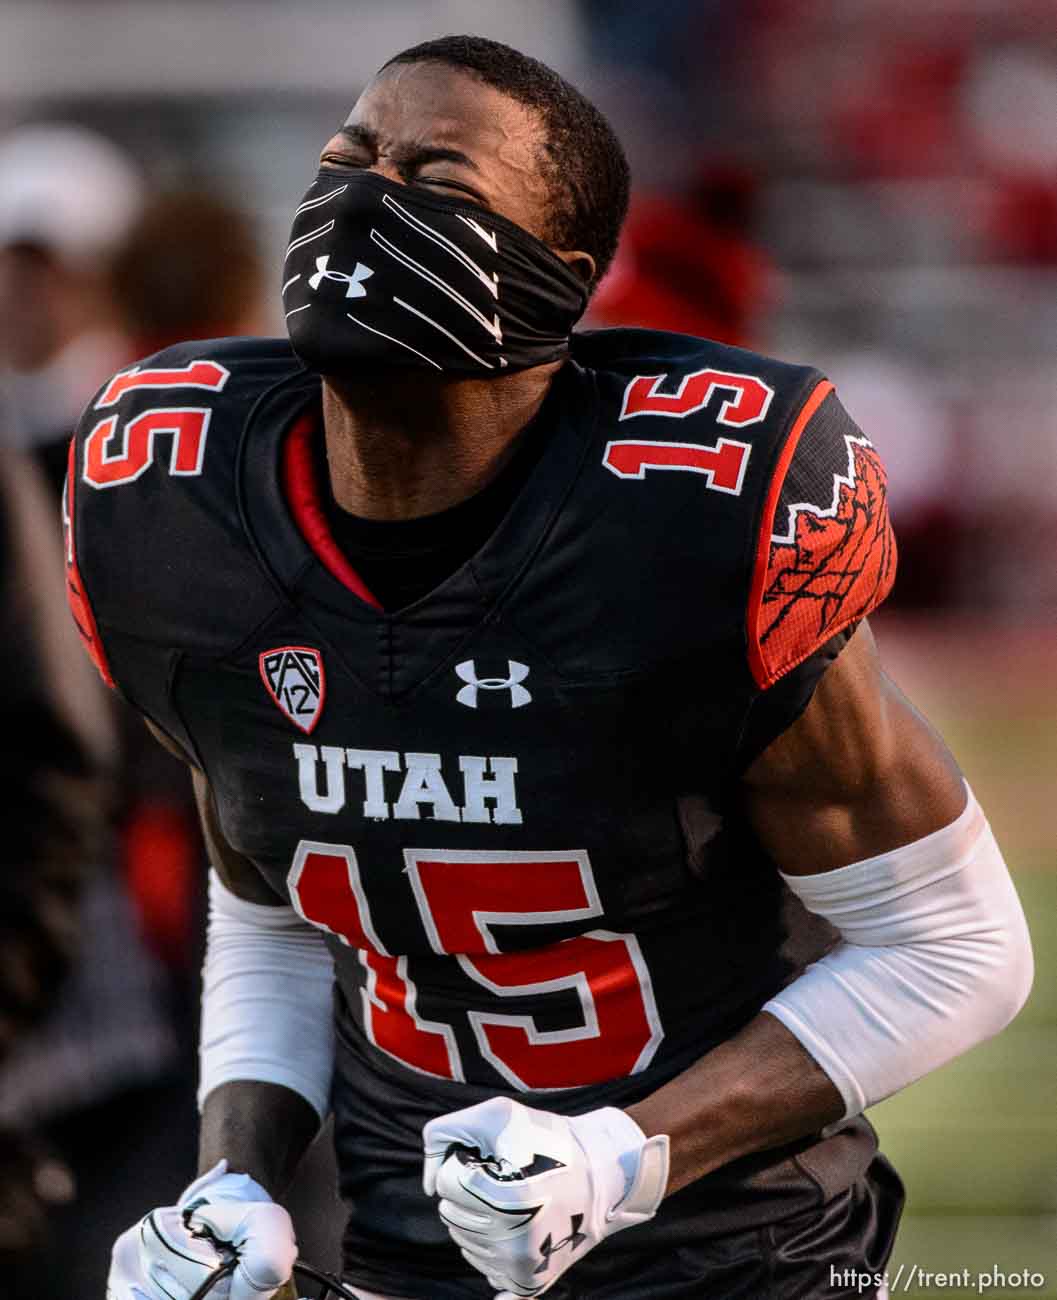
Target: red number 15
[460,897]
[741,400]
[112,457]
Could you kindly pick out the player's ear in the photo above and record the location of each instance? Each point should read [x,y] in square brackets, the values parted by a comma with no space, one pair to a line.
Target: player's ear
[581,264]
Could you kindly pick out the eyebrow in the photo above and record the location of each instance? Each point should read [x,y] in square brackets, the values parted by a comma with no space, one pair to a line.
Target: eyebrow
[415,156]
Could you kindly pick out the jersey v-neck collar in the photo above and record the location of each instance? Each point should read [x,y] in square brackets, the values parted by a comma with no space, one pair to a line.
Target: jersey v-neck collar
[300,486]
[294,542]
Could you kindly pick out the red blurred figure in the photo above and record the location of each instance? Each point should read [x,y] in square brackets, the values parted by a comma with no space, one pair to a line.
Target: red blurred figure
[689,264]
[901,117]
[1022,223]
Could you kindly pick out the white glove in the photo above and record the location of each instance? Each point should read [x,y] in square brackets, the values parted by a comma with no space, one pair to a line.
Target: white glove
[526,1194]
[172,1250]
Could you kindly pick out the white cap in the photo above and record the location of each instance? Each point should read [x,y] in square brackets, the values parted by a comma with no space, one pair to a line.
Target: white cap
[65,188]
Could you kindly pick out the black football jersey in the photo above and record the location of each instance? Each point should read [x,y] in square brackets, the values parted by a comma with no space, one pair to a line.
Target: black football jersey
[511,807]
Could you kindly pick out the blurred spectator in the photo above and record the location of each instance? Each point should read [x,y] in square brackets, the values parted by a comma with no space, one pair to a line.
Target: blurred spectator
[188,269]
[67,197]
[86,1039]
[99,1068]
[55,781]
[690,264]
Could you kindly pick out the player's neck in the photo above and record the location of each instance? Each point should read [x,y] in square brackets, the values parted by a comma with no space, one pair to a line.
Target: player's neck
[412,445]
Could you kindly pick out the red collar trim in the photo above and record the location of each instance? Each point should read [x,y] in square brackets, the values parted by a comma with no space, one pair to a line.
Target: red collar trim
[302,496]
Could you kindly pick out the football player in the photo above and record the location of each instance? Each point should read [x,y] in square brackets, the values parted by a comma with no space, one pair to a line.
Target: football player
[534,720]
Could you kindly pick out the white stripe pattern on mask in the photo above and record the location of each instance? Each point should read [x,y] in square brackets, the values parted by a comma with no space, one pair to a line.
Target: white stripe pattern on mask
[436,325]
[492,327]
[490,282]
[382,334]
[312,234]
[323,198]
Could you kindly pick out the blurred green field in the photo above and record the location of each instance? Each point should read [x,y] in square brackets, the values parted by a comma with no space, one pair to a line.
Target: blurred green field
[976,1143]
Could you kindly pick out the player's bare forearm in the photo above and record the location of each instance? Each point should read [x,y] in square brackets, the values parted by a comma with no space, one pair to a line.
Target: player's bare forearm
[760,1089]
[860,774]
[261,1129]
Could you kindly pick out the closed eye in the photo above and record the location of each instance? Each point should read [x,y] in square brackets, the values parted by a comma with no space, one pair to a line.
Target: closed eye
[446,183]
[334,162]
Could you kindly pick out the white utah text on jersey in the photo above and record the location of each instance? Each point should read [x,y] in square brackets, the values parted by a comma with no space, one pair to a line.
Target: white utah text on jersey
[489,792]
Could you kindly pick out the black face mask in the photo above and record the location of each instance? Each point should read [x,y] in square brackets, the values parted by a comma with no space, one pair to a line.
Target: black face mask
[378,274]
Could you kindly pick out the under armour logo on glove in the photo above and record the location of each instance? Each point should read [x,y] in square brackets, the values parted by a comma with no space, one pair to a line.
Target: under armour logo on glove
[574,1239]
[524,1194]
[354,281]
[516,674]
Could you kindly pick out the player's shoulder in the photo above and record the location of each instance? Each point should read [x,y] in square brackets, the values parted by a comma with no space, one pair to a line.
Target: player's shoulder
[155,529]
[714,418]
[168,427]
[663,382]
[221,372]
[714,415]
[192,396]
[628,350]
[243,355]
[769,483]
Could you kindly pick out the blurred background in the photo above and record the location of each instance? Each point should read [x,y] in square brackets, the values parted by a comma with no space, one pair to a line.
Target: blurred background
[866,185]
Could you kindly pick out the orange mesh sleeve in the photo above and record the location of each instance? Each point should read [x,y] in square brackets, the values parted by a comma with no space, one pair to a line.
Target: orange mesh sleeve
[825,553]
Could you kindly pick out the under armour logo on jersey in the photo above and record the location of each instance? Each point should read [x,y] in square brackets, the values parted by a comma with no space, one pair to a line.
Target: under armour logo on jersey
[354,281]
[293,675]
[574,1239]
[517,673]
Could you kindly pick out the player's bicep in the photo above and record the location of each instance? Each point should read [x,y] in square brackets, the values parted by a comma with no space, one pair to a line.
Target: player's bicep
[859,773]
[239,873]
[167,742]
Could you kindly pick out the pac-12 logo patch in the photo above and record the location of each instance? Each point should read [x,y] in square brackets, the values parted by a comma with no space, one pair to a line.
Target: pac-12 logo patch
[294,677]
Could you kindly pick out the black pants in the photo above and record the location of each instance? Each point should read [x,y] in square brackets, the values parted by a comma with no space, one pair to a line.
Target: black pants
[813,1255]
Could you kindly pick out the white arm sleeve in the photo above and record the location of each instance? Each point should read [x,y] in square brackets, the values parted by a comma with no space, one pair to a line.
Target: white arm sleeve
[267,999]
[935,958]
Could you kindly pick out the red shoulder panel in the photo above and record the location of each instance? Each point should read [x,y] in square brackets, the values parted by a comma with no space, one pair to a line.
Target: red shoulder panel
[76,596]
[825,563]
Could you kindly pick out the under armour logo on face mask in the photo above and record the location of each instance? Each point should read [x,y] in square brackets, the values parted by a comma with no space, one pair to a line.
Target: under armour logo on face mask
[354,281]
[517,673]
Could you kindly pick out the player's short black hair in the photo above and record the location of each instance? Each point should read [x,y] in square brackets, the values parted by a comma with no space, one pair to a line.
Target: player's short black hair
[586,165]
